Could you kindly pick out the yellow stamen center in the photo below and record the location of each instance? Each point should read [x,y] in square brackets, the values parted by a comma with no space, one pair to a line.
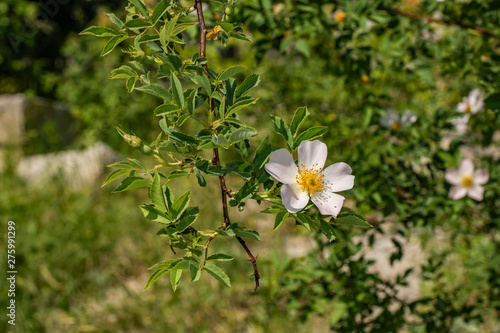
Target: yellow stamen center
[396,125]
[467,181]
[310,179]
[468,109]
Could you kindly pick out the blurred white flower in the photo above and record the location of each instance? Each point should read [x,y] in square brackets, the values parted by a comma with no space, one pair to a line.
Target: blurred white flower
[466,181]
[461,123]
[394,121]
[309,179]
[473,103]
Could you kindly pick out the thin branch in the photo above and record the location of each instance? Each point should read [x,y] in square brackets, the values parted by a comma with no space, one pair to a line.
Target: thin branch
[225,192]
[428,19]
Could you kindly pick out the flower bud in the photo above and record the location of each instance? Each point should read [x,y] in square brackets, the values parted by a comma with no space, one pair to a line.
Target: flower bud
[132,140]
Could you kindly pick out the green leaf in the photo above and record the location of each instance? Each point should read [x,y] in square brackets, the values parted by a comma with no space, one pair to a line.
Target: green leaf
[195,271]
[156,193]
[220,140]
[204,83]
[114,175]
[239,105]
[282,128]
[246,192]
[280,217]
[130,84]
[131,183]
[183,26]
[175,278]
[191,102]
[160,9]
[115,20]
[298,118]
[155,276]
[99,32]
[167,265]
[154,214]
[241,134]
[142,8]
[124,165]
[179,136]
[122,72]
[250,82]
[136,24]
[112,43]
[178,173]
[218,273]
[188,218]
[169,196]
[177,91]
[261,155]
[201,180]
[328,230]
[229,72]
[179,206]
[156,90]
[165,109]
[351,220]
[220,257]
[247,233]
[309,134]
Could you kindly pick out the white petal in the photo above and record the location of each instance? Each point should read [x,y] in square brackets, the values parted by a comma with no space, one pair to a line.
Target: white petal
[476,193]
[312,153]
[481,176]
[281,166]
[328,203]
[464,105]
[466,167]
[293,198]
[457,192]
[391,116]
[408,118]
[453,176]
[339,177]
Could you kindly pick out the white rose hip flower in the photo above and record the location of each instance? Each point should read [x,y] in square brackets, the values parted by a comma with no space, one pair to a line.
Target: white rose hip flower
[394,121]
[466,181]
[473,103]
[309,179]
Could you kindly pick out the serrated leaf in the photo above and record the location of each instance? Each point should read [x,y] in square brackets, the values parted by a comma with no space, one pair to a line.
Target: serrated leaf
[282,128]
[247,233]
[179,206]
[115,20]
[299,117]
[160,9]
[131,183]
[123,165]
[167,265]
[201,180]
[141,7]
[175,278]
[261,155]
[194,271]
[114,175]
[352,220]
[177,91]
[178,173]
[136,24]
[179,136]
[328,230]
[220,257]
[188,218]
[239,105]
[122,72]
[156,90]
[280,217]
[218,274]
[183,26]
[112,43]
[165,109]
[169,196]
[130,84]
[191,102]
[156,193]
[241,134]
[310,134]
[99,32]
[220,140]
[204,83]
[154,214]
[250,82]
[155,276]
[229,72]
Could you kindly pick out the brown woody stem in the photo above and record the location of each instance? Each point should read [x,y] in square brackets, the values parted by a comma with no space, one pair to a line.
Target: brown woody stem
[215,159]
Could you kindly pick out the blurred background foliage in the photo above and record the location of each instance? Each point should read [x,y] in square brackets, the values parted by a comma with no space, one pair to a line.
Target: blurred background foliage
[82,264]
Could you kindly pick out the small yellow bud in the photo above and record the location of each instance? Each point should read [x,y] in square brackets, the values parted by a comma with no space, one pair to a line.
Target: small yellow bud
[339,16]
[227,10]
[365,78]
